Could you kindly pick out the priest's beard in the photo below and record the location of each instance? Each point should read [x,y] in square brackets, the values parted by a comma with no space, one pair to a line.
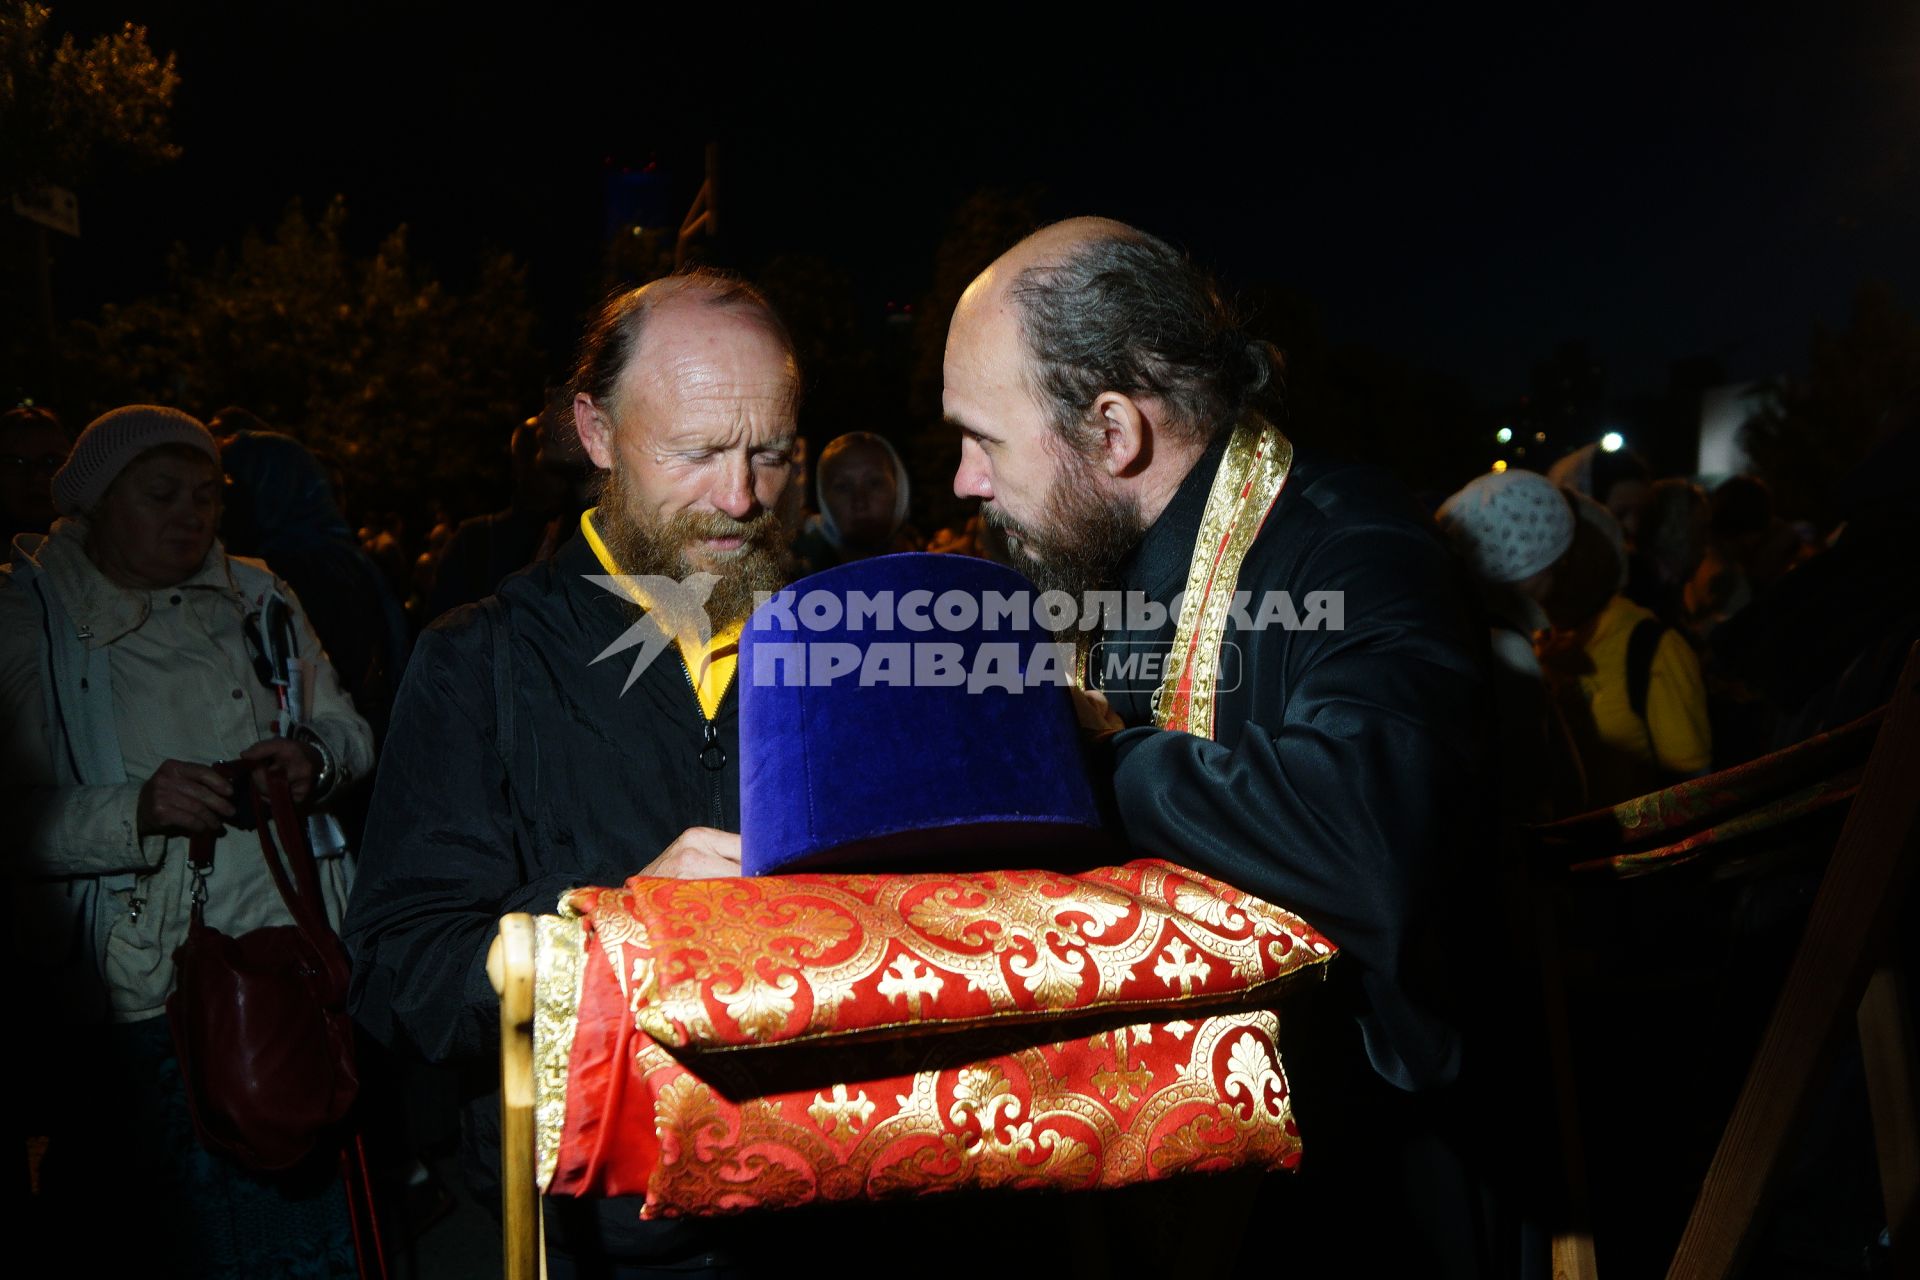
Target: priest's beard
[644,547]
[1090,532]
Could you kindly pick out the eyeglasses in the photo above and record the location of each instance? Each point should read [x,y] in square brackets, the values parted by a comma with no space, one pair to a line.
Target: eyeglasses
[45,465]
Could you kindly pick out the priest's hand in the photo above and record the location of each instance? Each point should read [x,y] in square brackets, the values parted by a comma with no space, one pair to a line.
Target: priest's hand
[1095,715]
[698,853]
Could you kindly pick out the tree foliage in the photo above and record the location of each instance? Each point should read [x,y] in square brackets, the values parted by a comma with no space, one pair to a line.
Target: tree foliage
[1817,430]
[985,226]
[1354,401]
[1341,398]
[846,389]
[410,386]
[66,107]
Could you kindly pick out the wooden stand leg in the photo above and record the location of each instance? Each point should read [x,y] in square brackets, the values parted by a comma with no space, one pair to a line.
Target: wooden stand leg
[510,968]
[1573,1256]
[1893,1088]
[1863,890]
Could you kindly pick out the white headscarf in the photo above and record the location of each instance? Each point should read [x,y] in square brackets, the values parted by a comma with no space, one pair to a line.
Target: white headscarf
[828,529]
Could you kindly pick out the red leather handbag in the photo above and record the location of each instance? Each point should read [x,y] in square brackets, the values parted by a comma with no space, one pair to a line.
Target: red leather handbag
[259,1022]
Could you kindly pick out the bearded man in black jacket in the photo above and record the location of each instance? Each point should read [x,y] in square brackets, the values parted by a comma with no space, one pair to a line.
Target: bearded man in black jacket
[553,736]
[1316,732]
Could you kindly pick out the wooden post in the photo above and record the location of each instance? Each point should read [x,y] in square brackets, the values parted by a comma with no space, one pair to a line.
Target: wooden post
[510,969]
[1573,1254]
[1865,886]
[1893,1089]
[703,216]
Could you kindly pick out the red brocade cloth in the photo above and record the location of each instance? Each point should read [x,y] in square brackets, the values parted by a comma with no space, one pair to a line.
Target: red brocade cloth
[754,1043]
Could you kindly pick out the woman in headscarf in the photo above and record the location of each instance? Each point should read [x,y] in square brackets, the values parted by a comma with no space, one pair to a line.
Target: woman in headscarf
[861,485]
[1617,479]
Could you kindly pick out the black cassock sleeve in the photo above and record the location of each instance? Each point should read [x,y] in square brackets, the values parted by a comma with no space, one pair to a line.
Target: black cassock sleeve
[440,862]
[1352,795]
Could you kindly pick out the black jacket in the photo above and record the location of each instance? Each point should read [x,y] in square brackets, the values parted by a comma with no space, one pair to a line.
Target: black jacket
[601,782]
[1345,779]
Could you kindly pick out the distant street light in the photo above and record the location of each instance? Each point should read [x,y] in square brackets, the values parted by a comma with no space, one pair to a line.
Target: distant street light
[1499,465]
[1613,442]
[1503,435]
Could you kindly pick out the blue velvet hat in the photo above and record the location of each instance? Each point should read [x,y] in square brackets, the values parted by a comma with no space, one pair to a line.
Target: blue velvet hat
[906,711]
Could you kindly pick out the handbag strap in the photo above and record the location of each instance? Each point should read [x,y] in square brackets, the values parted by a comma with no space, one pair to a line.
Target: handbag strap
[291,832]
[200,863]
[306,905]
[300,891]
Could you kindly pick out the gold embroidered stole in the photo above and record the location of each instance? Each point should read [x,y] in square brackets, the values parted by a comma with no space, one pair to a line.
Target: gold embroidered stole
[1244,490]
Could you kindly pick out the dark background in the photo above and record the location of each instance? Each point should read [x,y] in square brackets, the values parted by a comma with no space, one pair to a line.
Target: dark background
[1456,194]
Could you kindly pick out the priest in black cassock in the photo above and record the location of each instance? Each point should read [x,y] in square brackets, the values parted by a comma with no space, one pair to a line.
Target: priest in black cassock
[1312,726]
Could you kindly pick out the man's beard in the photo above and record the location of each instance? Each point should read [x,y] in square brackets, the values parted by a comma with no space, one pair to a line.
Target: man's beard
[1090,533]
[650,548]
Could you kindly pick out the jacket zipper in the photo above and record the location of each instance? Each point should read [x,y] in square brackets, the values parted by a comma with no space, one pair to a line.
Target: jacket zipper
[713,756]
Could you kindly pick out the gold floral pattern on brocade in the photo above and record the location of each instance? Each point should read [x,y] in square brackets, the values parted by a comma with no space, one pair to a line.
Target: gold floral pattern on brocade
[831,1037]
[713,965]
[1252,1070]
[841,1116]
[1207,908]
[1030,1119]
[1043,941]
[1120,1084]
[617,931]
[907,979]
[758,1006]
[1178,964]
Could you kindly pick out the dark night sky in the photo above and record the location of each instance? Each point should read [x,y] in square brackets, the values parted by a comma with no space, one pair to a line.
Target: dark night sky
[1464,192]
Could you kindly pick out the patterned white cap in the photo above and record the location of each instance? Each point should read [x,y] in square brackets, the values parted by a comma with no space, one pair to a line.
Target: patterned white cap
[1508,525]
[116,438]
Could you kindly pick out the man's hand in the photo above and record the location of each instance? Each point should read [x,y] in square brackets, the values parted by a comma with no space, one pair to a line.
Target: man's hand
[182,799]
[1095,716]
[300,762]
[698,853]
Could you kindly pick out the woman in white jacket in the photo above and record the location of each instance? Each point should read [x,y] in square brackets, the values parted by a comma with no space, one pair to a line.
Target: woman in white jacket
[125,672]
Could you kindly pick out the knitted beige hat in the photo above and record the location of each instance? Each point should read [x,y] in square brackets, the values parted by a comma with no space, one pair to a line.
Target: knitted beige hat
[116,438]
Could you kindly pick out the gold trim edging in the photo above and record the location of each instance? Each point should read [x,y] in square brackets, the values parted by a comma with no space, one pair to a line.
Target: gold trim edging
[559,963]
[1245,487]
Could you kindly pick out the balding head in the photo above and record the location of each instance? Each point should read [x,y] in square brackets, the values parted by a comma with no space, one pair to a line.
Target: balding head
[699,303]
[1101,306]
[685,397]
[1048,247]
[1086,370]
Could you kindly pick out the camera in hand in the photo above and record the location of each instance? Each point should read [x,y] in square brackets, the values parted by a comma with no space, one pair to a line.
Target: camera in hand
[240,774]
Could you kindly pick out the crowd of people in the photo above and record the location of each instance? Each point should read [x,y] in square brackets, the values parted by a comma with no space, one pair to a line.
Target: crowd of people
[1605,588]
[1540,646]
[856,506]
